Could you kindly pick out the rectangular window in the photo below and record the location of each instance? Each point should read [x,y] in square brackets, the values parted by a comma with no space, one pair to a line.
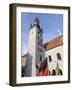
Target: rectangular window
[40,58]
[50,58]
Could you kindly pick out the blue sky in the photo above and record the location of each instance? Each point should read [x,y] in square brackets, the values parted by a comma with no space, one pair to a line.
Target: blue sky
[50,23]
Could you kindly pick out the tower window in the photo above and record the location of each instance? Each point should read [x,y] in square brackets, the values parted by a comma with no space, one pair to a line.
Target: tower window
[50,58]
[41,40]
[38,49]
[40,58]
[41,50]
[59,56]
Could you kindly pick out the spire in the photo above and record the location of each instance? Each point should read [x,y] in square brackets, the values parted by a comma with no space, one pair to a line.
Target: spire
[36,20]
[59,33]
[36,23]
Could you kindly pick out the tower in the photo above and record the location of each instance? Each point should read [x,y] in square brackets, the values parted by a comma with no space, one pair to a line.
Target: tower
[35,47]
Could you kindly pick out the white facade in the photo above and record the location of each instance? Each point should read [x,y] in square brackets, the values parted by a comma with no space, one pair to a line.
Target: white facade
[53,53]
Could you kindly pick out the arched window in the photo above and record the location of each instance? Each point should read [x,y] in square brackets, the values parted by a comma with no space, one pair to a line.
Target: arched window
[53,72]
[50,58]
[59,56]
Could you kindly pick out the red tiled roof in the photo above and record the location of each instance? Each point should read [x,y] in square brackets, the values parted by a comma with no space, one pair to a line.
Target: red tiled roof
[53,43]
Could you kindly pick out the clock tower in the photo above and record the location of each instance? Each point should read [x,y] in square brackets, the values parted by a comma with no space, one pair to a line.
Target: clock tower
[35,47]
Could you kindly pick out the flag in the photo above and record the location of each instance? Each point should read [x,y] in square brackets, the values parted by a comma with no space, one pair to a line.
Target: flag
[43,72]
[43,69]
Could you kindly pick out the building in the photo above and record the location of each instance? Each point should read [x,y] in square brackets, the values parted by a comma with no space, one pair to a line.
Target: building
[39,53]
[54,54]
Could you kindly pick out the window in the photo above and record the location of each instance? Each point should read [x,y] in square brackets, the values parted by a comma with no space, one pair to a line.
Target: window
[38,32]
[53,72]
[50,58]
[41,45]
[41,39]
[40,58]
[38,49]
[59,56]
[41,50]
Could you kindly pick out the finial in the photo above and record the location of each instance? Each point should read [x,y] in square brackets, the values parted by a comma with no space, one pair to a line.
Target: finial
[59,32]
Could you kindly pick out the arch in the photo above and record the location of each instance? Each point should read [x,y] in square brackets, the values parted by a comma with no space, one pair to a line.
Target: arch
[53,72]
